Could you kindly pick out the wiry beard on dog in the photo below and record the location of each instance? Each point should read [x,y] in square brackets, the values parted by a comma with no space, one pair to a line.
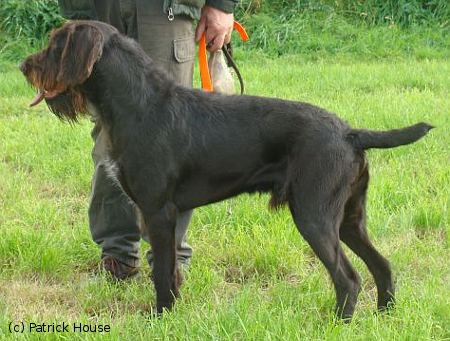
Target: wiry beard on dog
[68,106]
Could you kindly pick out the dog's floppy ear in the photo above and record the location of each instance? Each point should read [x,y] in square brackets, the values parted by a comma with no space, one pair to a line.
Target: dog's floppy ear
[83,47]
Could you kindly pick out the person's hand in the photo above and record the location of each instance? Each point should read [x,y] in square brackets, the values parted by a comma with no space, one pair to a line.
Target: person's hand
[217,25]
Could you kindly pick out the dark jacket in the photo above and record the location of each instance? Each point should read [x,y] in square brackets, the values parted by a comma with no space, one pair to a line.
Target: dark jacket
[97,9]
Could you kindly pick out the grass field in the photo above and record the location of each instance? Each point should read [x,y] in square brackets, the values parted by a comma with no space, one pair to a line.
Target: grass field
[252,276]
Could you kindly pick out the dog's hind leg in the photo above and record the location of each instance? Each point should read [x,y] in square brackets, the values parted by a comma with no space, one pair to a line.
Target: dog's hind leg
[321,234]
[353,232]
[318,217]
[160,228]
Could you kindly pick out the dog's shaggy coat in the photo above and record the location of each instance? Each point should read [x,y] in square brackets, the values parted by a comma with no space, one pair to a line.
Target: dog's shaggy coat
[174,149]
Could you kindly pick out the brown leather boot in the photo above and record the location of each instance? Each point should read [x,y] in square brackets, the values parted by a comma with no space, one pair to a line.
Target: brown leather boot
[118,270]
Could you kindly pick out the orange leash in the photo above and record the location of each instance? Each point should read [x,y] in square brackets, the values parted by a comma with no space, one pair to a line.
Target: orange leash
[241,30]
[203,63]
[203,57]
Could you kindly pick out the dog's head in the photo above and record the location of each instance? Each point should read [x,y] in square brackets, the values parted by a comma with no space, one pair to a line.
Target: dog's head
[58,70]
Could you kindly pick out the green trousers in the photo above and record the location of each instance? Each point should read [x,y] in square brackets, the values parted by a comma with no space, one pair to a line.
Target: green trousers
[112,218]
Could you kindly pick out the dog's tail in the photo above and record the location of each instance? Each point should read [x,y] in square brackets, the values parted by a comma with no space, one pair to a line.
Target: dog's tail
[367,139]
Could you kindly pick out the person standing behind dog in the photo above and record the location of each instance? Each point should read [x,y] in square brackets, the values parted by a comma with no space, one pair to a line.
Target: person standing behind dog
[164,29]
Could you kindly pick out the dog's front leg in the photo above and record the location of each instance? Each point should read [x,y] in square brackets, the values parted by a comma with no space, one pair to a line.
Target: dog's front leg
[160,227]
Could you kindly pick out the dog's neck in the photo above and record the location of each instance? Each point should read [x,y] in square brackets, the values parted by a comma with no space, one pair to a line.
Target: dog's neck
[132,93]
[133,87]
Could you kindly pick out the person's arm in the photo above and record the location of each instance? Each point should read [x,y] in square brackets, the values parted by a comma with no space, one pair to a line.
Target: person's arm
[216,22]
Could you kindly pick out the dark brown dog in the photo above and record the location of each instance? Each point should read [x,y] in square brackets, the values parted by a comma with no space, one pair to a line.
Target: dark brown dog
[174,149]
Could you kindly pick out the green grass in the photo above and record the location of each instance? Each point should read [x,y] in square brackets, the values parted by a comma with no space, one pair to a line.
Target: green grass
[318,35]
[252,276]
